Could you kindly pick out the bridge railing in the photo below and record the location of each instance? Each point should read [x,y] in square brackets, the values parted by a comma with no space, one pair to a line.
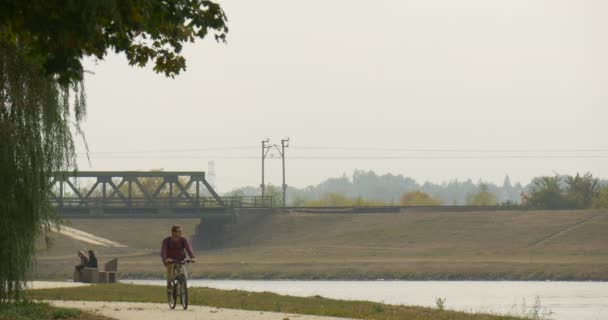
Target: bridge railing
[142,203]
[249,202]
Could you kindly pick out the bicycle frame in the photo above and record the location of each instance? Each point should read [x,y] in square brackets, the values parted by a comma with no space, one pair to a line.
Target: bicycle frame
[179,269]
[179,286]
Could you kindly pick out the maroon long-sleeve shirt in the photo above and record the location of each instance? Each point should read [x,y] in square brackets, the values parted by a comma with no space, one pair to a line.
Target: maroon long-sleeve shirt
[175,249]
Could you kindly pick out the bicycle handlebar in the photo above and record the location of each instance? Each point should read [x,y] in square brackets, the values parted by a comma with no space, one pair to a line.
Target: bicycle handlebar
[181,261]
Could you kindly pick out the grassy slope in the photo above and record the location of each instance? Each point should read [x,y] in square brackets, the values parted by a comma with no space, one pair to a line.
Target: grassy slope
[43,311]
[475,245]
[262,301]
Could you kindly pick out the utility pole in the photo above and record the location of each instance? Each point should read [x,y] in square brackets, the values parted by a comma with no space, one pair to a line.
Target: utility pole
[284,144]
[211,173]
[265,149]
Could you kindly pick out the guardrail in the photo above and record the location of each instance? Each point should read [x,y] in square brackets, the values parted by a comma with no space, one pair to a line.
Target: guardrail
[68,202]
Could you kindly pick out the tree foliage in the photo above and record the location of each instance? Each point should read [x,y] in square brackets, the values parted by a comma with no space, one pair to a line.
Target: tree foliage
[546,193]
[418,198]
[35,140]
[58,34]
[482,198]
[389,188]
[386,188]
[276,193]
[339,200]
[42,103]
[556,192]
[581,190]
[601,201]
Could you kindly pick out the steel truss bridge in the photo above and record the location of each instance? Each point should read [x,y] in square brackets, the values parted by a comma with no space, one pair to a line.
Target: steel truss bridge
[142,194]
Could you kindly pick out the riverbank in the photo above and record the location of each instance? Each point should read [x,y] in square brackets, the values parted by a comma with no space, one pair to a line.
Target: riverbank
[258,301]
[422,270]
[436,270]
[565,245]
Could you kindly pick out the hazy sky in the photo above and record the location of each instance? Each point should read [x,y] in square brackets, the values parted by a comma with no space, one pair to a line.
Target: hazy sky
[434,90]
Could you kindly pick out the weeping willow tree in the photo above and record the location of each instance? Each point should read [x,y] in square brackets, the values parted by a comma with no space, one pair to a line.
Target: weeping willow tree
[37,120]
[42,103]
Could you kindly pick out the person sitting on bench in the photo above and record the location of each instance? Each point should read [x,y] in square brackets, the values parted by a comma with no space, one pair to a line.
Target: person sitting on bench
[83,261]
[92,261]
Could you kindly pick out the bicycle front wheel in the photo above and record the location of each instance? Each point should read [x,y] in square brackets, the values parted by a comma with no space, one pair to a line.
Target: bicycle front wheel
[183,293]
[172,295]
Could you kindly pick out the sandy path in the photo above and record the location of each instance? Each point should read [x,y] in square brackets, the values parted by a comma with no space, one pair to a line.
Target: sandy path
[54,284]
[157,311]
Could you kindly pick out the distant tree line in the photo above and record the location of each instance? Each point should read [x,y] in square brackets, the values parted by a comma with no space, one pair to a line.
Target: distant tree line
[366,188]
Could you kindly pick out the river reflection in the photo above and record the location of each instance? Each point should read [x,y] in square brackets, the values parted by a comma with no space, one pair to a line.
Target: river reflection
[566,300]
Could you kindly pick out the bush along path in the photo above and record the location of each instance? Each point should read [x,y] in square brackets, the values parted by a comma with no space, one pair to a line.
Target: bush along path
[44,311]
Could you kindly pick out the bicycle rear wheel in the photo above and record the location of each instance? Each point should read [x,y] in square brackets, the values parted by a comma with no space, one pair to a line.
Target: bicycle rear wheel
[172,295]
[183,293]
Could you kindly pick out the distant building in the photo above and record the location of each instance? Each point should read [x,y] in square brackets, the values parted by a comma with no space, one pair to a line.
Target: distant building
[524,199]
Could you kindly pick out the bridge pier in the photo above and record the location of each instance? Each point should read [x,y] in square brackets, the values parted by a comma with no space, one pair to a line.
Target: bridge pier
[208,234]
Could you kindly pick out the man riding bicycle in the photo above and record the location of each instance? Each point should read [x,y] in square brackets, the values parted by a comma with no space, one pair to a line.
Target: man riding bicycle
[172,250]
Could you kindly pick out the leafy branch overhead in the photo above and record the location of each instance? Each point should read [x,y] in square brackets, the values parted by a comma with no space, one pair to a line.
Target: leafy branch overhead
[60,33]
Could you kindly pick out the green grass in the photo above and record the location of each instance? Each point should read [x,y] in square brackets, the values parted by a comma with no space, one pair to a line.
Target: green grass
[408,245]
[258,301]
[43,311]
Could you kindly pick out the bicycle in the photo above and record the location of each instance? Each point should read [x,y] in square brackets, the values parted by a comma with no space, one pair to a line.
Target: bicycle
[178,287]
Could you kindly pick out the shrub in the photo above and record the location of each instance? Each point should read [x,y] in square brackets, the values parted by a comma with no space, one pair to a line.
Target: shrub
[577,192]
[418,198]
[482,198]
[581,190]
[546,193]
[339,200]
[601,200]
[62,313]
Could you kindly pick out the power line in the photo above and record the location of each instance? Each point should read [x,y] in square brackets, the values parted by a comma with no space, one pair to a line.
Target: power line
[358,157]
[447,149]
[170,150]
[452,157]
[396,149]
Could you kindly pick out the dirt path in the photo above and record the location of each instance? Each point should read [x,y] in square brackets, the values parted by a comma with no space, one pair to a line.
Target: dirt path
[567,229]
[54,284]
[86,237]
[157,311]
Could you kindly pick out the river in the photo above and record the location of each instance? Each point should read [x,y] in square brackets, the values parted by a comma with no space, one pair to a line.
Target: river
[565,300]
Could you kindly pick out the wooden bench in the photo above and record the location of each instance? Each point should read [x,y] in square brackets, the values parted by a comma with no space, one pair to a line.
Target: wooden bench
[110,271]
[86,275]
